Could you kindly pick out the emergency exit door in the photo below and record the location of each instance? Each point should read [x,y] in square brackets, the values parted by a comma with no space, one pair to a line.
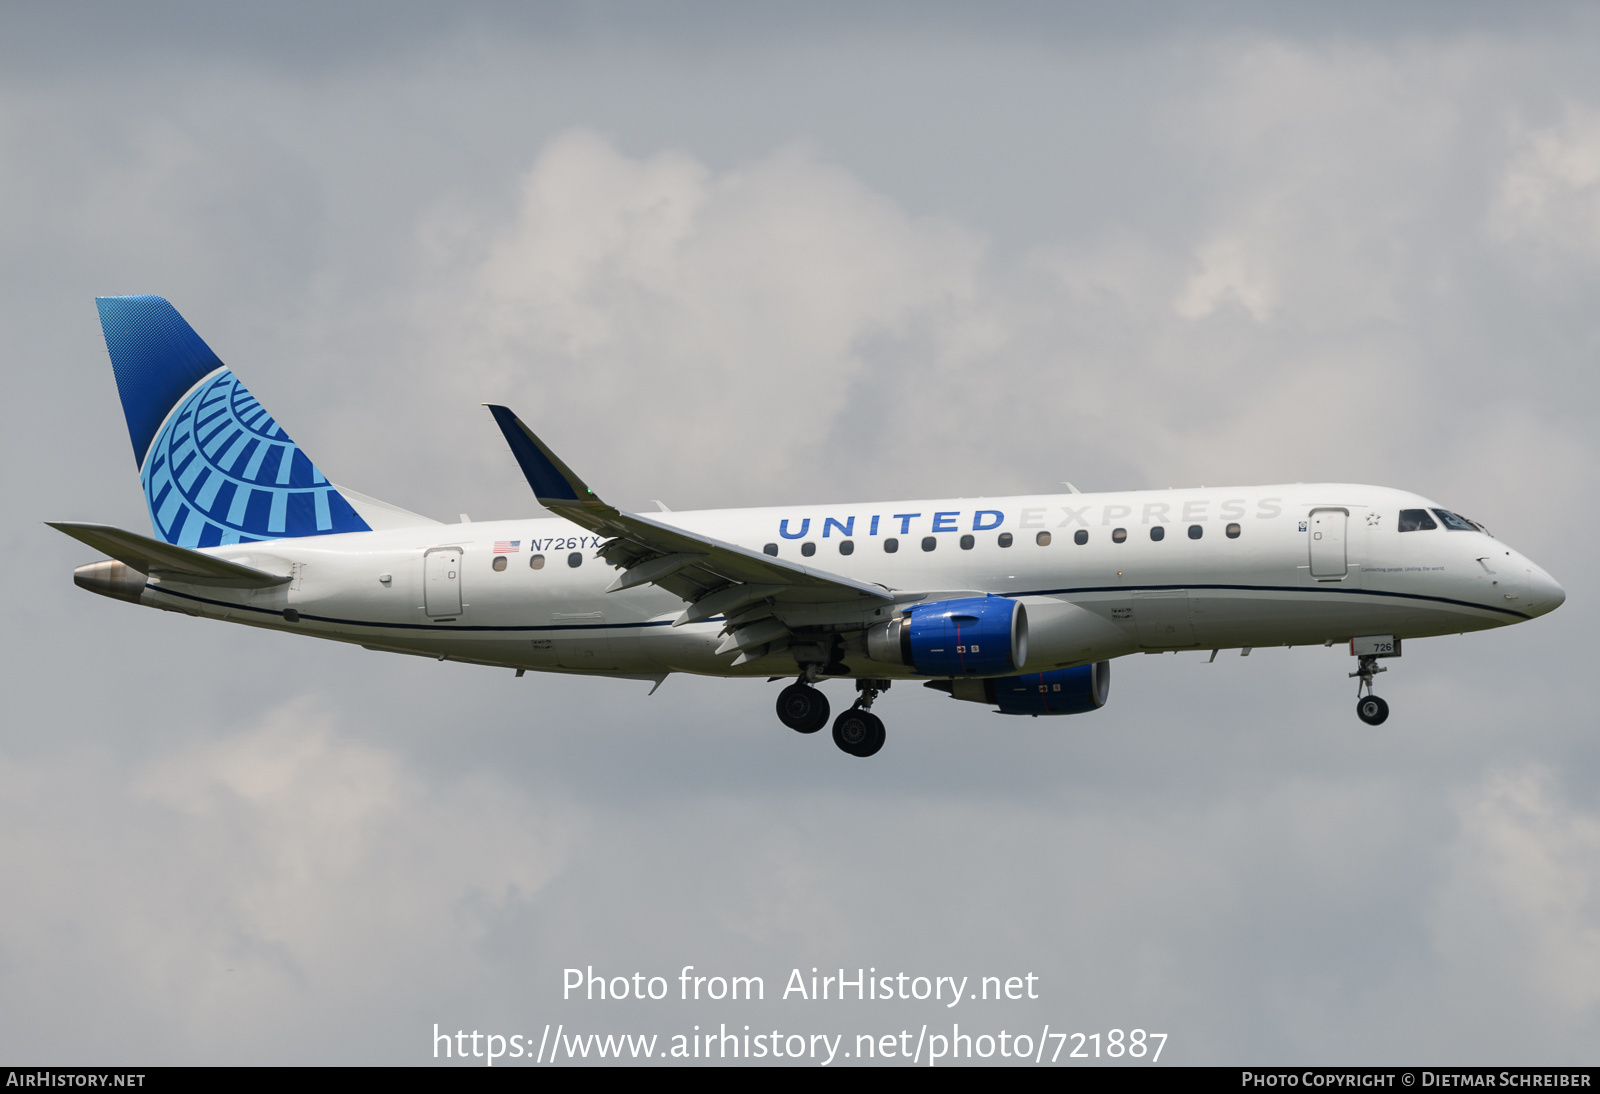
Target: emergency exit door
[1327,536]
[441,584]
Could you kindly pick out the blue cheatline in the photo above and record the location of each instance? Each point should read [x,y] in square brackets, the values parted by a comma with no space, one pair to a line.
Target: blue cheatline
[216,467]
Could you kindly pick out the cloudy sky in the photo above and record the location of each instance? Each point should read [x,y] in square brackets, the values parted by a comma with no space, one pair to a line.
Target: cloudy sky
[724,256]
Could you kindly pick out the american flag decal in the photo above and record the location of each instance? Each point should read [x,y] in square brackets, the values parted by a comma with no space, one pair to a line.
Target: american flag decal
[507,546]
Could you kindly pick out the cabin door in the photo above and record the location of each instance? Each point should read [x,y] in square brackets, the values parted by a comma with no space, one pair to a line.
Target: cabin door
[1327,538]
[441,584]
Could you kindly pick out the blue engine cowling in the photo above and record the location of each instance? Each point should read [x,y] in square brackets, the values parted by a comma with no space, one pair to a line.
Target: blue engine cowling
[973,636]
[1060,691]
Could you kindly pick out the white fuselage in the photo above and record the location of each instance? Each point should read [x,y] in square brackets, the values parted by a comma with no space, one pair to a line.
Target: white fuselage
[1309,564]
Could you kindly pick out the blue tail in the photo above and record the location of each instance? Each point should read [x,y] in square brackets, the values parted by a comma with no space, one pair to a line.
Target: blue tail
[216,468]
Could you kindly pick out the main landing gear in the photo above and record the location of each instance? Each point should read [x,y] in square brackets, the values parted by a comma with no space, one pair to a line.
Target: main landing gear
[857,731]
[1369,708]
[802,708]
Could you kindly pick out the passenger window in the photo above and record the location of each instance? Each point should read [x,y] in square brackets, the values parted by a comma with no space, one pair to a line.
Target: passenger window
[1042,539]
[499,564]
[1455,523]
[847,547]
[891,545]
[1195,531]
[929,543]
[770,549]
[575,559]
[1080,537]
[1119,535]
[536,562]
[967,542]
[1416,520]
[1005,539]
[1233,531]
[808,549]
[1158,533]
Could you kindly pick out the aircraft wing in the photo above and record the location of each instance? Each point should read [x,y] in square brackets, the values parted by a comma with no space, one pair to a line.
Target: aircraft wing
[713,577]
[158,559]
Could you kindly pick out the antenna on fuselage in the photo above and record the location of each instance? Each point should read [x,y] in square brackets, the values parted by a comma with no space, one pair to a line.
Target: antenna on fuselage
[1071,489]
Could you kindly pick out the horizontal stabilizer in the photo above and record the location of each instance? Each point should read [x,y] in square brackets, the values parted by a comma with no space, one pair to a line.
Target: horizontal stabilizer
[157,559]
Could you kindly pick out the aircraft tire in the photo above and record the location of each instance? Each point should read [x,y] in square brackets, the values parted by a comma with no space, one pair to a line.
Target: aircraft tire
[879,735]
[1372,710]
[802,708]
[858,732]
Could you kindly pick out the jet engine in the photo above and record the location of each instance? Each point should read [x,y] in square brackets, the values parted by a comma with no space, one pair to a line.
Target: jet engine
[1060,691]
[971,636]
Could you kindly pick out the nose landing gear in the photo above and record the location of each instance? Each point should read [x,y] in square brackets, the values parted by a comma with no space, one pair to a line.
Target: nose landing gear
[1369,708]
[1372,710]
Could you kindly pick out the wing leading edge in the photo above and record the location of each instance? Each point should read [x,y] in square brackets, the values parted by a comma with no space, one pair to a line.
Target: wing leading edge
[712,577]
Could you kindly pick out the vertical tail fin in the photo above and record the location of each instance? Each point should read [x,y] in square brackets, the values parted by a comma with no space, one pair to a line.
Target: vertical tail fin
[216,467]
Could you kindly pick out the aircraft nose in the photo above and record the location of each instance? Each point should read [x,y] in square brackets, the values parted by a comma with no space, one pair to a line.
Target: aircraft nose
[1545,593]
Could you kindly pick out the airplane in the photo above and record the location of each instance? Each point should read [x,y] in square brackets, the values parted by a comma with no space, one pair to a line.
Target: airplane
[1015,603]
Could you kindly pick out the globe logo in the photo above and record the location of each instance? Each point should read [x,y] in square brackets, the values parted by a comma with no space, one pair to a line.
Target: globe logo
[221,470]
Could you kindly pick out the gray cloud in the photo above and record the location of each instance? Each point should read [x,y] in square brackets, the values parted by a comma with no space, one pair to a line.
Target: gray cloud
[750,262]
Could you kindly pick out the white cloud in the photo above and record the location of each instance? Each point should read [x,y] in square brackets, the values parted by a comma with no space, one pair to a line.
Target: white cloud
[284,871]
[1230,270]
[721,319]
[1549,191]
[781,315]
[1521,908]
[1319,166]
[1310,281]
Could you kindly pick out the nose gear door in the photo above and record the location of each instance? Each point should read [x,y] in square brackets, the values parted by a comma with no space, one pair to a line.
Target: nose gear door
[1326,536]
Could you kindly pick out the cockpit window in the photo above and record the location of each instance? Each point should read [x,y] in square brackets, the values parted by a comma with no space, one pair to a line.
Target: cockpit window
[1415,520]
[1455,523]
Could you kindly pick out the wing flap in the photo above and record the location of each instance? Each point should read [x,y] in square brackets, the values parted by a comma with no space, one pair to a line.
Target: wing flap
[758,633]
[725,601]
[646,573]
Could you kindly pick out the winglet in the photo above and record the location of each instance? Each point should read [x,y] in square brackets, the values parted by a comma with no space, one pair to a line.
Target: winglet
[553,482]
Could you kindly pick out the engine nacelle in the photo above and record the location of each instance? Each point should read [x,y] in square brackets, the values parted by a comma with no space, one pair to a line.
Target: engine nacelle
[1060,691]
[973,636]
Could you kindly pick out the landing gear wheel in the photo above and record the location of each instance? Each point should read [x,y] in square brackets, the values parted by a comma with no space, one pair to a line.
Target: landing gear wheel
[1372,710]
[802,708]
[858,732]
